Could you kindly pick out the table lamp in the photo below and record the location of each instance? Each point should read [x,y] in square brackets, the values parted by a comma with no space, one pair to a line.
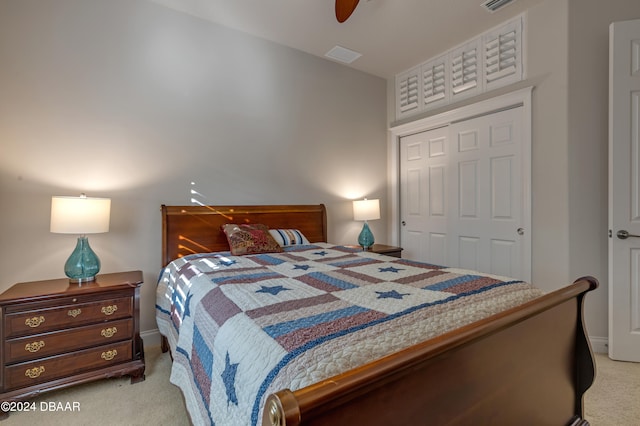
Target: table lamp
[80,215]
[366,210]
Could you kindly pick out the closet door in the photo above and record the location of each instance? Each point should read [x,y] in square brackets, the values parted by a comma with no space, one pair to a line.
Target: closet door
[487,203]
[423,192]
[464,195]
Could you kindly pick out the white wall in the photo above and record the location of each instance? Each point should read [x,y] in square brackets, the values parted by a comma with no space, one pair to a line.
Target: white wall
[133,101]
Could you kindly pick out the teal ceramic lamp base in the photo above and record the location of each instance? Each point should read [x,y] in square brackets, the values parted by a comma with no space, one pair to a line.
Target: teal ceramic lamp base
[83,265]
[365,239]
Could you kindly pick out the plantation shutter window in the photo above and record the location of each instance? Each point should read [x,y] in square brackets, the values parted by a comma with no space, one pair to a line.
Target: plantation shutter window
[408,91]
[503,55]
[434,82]
[465,70]
[491,60]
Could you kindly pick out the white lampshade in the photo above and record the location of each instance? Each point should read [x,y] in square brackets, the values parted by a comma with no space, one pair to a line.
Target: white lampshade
[80,215]
[366,209]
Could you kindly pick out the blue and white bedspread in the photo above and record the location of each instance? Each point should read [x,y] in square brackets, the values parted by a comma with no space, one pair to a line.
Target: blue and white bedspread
[241,328]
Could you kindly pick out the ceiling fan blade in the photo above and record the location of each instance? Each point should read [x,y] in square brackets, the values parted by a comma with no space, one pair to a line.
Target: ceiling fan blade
[344,9]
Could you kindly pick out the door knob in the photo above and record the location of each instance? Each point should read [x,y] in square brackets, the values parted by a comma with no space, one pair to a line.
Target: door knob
[623,235]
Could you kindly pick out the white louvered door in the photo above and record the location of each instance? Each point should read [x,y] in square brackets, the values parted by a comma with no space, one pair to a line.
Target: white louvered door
[463,195]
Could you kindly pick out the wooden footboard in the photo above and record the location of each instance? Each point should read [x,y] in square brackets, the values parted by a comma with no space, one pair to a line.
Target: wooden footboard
[531,364]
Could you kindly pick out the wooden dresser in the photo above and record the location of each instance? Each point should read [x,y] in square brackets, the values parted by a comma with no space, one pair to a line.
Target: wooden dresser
[56,334]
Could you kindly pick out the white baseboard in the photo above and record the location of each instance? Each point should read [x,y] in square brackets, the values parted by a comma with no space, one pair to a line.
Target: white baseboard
[151,337]
[599,345]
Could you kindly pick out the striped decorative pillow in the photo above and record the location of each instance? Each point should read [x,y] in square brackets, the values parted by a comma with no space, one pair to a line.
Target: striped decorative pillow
[288,237]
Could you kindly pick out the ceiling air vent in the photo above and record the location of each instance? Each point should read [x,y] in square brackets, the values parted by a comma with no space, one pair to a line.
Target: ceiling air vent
[493,5]
[342,54]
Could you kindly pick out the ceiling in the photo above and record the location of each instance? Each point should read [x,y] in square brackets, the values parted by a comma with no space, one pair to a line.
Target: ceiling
[391,35]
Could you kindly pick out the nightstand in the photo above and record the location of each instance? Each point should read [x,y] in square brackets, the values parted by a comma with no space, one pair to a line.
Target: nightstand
[56,334]
[384,249]
[388,250]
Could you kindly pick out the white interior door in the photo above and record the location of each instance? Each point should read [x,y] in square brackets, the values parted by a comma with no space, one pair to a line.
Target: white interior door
[624,191]
[486,226]
[463,191]
[423,194]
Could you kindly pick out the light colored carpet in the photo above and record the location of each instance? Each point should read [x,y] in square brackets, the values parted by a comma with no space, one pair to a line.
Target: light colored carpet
[116,402]
[613,400]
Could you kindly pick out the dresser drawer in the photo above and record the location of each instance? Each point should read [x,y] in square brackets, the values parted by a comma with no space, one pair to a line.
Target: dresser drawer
[66,315]
[34,372]
[42,345]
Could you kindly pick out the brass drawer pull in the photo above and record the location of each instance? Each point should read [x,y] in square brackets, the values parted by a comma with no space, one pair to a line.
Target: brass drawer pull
[34,372]
[74,312]
[109,310]
[34,321]
[109,355]
[34,347]
[108,332]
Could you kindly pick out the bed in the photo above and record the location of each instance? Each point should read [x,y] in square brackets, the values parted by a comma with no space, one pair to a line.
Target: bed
[528,363]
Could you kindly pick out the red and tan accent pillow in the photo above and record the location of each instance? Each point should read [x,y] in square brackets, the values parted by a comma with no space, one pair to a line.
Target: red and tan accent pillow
[250,239]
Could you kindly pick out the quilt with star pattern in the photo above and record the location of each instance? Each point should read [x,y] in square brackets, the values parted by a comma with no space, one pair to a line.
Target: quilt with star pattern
[242,327]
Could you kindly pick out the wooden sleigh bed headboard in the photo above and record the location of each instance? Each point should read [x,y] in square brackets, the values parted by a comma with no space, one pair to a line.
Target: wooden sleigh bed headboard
[197,229]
